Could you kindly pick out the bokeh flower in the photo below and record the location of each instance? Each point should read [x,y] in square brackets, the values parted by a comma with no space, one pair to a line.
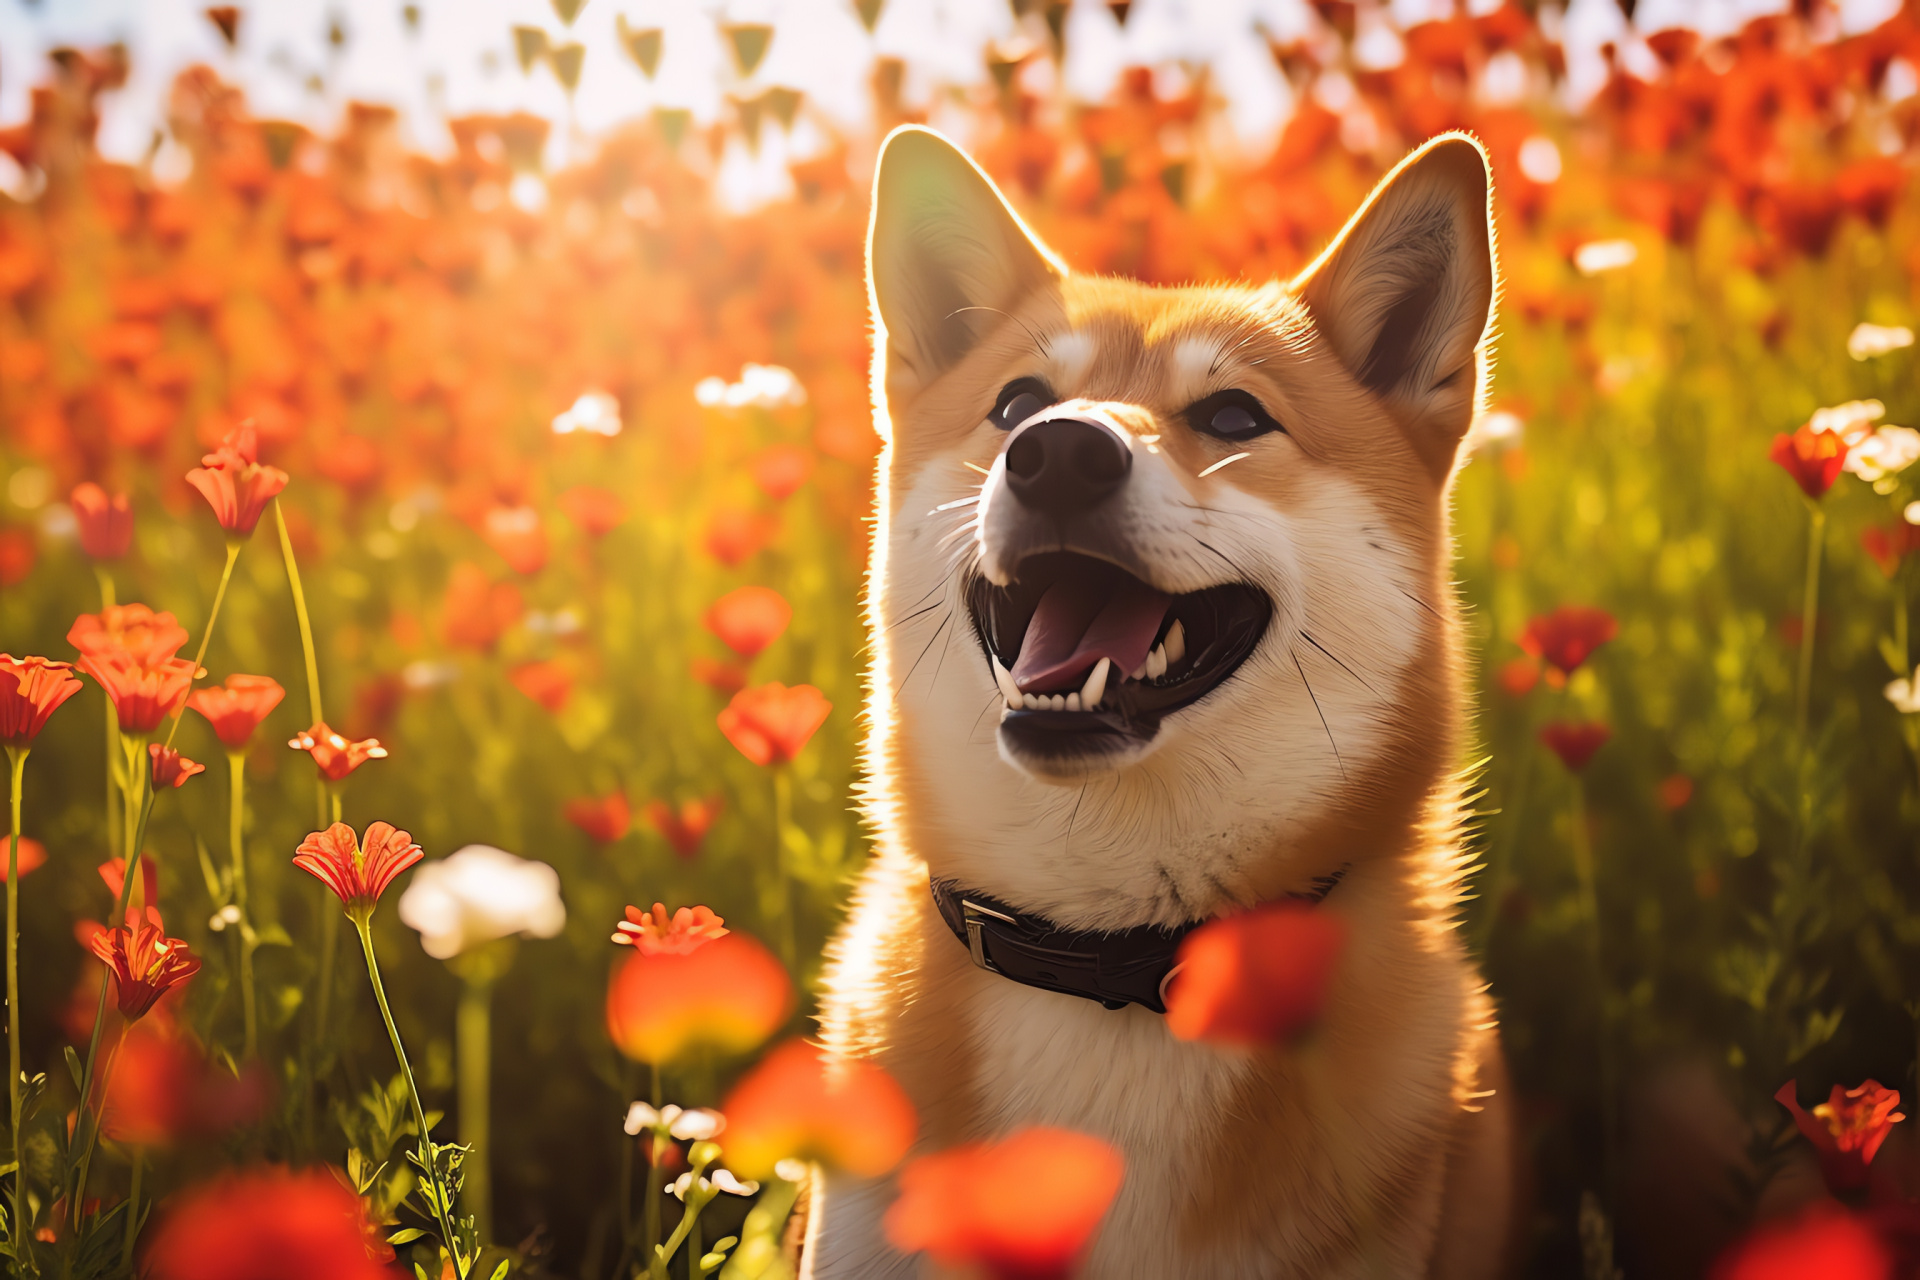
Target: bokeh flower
[734,535]
[236,708]
[143,635]
[235,483]
[801,1104]
[596,511]
[477,612]
[1846,1130]
[1257,977]
[748,619]
[770,724]
[1022,1208]
[517,534]
[685,828]
[547,682]
[334,754]
[105,521]
[267,1222]
[32,856]
[1887,452]
[604,818]
[1565,638]
[164,1087]
[479,893]
[1824,1242]
[779,470]
[683,990]
[1813,458]
[146,964]
[726,678]
[1870,340]
[168,768]
[1575,743]
[696,1124]
[358,872]
[1904,693]
[31,690]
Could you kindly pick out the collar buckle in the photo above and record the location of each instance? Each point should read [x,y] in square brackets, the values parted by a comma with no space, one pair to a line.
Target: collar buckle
[975,917]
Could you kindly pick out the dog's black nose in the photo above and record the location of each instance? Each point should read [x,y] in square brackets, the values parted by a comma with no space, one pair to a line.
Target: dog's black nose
[1063,466]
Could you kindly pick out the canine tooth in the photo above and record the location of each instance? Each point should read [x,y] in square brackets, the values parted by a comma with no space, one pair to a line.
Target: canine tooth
[1096,686]
[1004,678]
[1176,644]
[1157,663]
[1073,702]
[1138,673]
[1030,702]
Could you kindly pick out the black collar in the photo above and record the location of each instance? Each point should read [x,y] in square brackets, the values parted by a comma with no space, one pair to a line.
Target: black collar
[1128,966]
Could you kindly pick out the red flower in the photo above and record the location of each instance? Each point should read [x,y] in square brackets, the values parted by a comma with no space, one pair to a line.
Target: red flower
[1022,1208]
[686,828]
[1567,637]
[1575,743]
[358,873]
[31,690]
[1518,676]
[478,612]
[163,1087]
[657,933]
[147,637]
[32,856]
[170,768]
[1889,544]
[1847,1129]
[516,533]
[798,1103]
[145,963]
[268,1222]
[1259,977]
[334,755]
[17,554]
[605,819]
[781,469]
[142,695]
[1824,1243]
[771,724]
[235,483]
[748,619]
[236,708]
[106,523]
[1813,458]
[726,993]
[146,890]
[733,535]
[547,683]
[726,678]
[597,511]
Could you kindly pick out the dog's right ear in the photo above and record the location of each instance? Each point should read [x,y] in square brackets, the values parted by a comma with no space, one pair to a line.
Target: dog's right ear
[946,256]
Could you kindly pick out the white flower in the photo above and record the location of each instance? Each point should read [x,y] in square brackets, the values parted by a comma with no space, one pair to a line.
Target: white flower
[694,1125]
[1852,421]
[791,1170]
[720,1181]
[1604,255]
[1888,451]
[594,412]
[1499,426]
[1870,340]
[1904,694]
[761,386]
[478,894]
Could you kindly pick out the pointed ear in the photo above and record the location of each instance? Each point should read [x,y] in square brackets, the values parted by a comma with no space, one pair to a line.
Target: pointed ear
[945,252]
[1404,294]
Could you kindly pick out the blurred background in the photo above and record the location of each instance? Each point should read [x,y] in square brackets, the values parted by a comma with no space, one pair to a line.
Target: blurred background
[555,315]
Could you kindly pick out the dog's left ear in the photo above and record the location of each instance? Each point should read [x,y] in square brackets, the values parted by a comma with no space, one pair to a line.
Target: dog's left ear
[1404,294]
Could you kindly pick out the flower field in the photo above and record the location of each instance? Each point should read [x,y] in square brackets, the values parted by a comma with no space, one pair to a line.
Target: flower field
[460,562]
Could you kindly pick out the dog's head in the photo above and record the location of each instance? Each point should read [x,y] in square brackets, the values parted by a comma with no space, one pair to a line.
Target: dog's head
[1160,593]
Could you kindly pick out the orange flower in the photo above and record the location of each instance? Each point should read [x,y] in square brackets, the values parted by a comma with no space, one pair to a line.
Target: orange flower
[727,993]
[547,683]
[1575,743]
[771,724]
[357,873]
[478,612]
[236,708]
[1813,458]
[1890,544]
[32,856]
[170,768]
[605,819]
[781,469]
[748,619]
[800,1104]
[658,933]
[334,755]
[686,828]
[516,533]
[147,637]
[726,678]
[1846,1130]
[31,690]
[145,963]
[106,523]
[1823,1243]
[292,1226]
[1259,977]
[142,695]
[1518,676]
[1567,637]
[163,1087]
[235,483]
[1022,1208]
[596,511]
[734,535]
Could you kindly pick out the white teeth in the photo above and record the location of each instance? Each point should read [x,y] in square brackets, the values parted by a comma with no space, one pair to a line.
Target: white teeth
[1096,686]
[1176,644]
[1008,688]
[1057,703]
[1138,673]
[1073,702]
[1157,663]
[1030,702]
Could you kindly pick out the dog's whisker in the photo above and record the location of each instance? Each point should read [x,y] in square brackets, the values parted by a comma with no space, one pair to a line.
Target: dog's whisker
[1317,711]
[928,648]
[957,502]
[974,466]
[1343,666]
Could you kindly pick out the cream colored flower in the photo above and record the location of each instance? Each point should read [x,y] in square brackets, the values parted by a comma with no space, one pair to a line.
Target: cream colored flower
[1852,421]
[1870,340]
[1888,451]
[1904,694]
[720,1180]
[696,1124]
[1604,255]
[478,894]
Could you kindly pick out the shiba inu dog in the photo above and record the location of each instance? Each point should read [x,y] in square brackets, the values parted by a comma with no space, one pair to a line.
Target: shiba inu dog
[1164,630]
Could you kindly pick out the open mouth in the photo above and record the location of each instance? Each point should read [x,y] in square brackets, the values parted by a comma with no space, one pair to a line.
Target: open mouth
[1090,658]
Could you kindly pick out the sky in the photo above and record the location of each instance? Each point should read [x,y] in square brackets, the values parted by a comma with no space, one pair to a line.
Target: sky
[459,58]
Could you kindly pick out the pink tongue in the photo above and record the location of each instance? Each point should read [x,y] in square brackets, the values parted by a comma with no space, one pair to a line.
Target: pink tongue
[1077,623]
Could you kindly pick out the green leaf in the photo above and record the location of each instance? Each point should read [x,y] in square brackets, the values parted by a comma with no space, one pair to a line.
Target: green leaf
[74,1068]
[272,935]
[420,1271]
[501,1270]
[406,1235]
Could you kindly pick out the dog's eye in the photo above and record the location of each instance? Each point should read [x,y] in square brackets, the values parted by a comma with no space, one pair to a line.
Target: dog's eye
[1231,415]
[1020,400]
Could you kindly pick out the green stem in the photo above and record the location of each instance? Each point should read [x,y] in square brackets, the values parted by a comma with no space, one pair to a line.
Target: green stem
[329,930]
[17,757]
[1809,622]
[474,1036]
[236,842]
[206,637]
[430,1165]
[133,1210]
[114,819]
[300,612]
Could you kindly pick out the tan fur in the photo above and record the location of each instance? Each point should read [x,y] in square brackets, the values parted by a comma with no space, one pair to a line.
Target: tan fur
[1381,1146]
